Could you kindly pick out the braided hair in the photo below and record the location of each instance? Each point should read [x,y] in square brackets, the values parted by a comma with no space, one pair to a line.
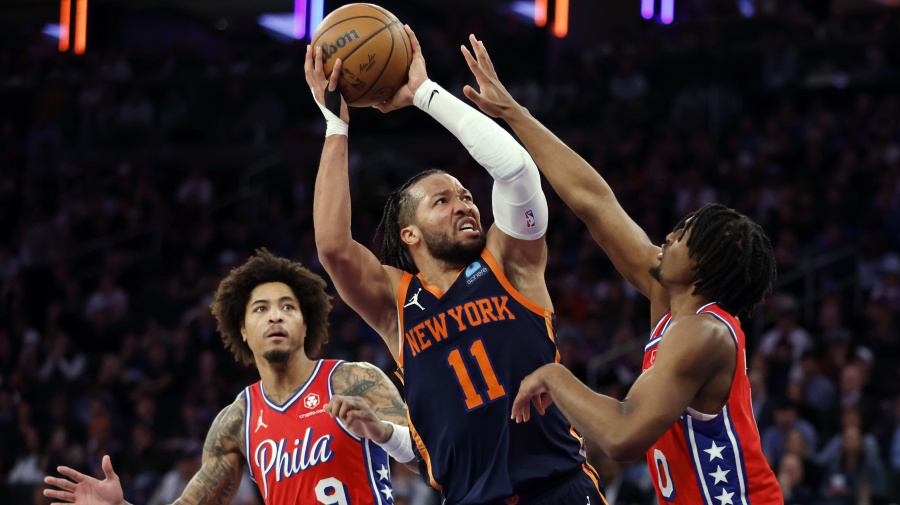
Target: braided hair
[399,212]
[734,257]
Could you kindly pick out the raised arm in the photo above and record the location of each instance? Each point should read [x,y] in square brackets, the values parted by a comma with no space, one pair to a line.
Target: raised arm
[215,484]
[688,359]
[367,286]
[516,240]
[576,182]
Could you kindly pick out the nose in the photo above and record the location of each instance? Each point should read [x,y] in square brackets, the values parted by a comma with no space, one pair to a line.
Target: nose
[670,238]
[463,207]
[276,316]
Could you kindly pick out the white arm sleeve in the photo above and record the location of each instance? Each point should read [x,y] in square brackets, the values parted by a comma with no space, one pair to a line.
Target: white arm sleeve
[520,207]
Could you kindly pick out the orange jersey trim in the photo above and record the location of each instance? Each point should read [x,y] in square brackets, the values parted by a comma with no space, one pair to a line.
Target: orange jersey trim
[432,289]
[423,451]
[519,297]
[589,470]
[401,296]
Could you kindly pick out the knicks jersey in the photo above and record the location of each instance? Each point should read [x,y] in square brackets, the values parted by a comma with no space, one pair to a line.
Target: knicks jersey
[299,454]
[713,459]
[463,355]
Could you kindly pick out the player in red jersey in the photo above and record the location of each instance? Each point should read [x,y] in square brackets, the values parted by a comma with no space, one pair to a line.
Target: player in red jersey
[690,410]
[273,313]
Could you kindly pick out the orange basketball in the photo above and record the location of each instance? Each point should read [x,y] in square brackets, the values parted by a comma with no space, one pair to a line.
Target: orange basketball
[374,48]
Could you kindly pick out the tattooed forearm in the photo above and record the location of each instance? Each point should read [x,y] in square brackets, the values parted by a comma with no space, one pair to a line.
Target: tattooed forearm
[371,384]
[218,479]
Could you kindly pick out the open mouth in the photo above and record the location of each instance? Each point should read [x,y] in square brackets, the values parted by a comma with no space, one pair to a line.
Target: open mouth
[276,333]
[467,224]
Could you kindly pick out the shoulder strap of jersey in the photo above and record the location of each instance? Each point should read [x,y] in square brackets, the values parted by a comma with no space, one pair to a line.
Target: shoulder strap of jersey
[402,290]
[248,409]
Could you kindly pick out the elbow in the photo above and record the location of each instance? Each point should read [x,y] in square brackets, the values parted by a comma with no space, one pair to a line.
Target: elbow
[626,446]
[624,453]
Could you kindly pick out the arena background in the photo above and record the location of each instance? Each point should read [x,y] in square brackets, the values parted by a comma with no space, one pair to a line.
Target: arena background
[135,175]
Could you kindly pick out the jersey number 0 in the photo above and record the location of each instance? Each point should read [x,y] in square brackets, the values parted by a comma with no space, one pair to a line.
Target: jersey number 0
[494,388]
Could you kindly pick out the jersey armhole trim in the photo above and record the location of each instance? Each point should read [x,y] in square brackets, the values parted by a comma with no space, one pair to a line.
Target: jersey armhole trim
[519,297]
[402,290]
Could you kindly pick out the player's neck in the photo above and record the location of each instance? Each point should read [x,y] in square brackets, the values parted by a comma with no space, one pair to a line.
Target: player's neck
[683,302]
[439,274]
[282,380]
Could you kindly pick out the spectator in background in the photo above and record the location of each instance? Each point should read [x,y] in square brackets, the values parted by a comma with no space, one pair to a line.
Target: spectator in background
[176,480]
[791,477]
[108,304]
[786,330]
[786,420]
[857,476]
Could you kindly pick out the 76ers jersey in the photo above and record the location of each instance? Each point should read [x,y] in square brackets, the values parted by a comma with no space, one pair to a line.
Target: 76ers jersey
[713,459]
[299,454]
[463,355]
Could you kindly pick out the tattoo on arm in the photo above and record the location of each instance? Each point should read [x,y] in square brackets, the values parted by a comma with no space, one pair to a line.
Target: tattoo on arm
[371,384]
[223,463]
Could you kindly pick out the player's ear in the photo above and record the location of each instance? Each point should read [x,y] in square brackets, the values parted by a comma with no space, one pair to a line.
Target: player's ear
[410,235]
[244,332]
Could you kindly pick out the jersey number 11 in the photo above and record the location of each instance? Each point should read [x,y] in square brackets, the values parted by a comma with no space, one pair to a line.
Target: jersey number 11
[494,388]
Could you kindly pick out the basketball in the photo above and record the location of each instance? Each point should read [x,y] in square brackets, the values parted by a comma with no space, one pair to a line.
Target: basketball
[374,48]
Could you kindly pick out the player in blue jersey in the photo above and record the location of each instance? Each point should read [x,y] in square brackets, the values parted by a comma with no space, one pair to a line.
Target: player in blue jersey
[465,313]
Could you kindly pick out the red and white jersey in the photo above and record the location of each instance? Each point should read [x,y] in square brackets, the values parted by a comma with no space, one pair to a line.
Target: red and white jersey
[713,459]
[299,454]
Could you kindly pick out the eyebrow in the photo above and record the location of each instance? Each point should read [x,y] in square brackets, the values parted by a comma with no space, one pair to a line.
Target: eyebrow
[283,298]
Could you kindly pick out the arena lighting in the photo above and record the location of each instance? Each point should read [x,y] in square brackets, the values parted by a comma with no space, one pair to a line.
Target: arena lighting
[80,26]
[667,11]
[284,25]
[540,12]
[65,15]
[299,19]
[647,9]
[561,19]
[316,14]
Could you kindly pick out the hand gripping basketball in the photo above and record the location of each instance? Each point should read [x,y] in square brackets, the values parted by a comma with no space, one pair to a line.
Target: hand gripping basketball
[325,92]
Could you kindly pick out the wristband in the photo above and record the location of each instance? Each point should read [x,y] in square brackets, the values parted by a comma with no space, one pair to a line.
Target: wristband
[399,446]
[334,125]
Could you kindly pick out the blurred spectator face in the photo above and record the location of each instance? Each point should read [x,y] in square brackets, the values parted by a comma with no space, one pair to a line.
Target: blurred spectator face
[851,379]
[790,470]
[785,416]
[794,443]
[794,391]
[851,438]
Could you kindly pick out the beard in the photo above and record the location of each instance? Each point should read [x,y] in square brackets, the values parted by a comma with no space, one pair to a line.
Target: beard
[277,356]
[655,273]
[454,252]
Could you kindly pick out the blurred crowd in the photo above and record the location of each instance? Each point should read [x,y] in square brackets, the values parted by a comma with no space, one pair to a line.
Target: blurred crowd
[133,178]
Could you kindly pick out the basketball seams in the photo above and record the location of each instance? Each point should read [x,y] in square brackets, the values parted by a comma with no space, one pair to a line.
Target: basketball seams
[362,43]
[344,20]
[386,63]
[406,43]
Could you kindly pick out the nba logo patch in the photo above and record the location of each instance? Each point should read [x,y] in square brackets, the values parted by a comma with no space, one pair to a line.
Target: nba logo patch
[529,218]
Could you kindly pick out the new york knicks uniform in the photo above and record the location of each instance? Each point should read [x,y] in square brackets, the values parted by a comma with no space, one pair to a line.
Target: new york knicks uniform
[463,355]
[713,459]
[299,454]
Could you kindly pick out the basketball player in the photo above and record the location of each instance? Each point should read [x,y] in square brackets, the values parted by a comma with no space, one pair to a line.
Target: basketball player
[690,409]
[465,313]
[273,313]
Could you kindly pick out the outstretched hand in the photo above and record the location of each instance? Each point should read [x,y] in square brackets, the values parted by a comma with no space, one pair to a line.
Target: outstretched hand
[530,392]
[86,490]
[494,100]
[417,75]
[315,77]
[356,415]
